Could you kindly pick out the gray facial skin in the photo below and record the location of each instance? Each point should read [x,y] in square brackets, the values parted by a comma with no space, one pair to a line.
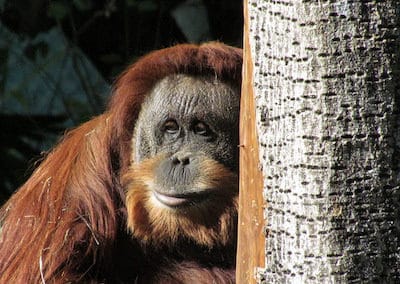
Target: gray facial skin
[187,120]
[204,111]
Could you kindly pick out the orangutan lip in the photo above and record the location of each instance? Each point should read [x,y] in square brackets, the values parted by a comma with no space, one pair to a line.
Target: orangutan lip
[176,200]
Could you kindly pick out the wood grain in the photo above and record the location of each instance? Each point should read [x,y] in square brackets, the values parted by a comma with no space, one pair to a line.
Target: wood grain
[251,240]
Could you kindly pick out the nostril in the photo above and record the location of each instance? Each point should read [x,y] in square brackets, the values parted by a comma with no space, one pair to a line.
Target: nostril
[183,160]
[175,161]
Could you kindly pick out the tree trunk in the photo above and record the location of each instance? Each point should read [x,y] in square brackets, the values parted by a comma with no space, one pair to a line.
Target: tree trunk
[327,97]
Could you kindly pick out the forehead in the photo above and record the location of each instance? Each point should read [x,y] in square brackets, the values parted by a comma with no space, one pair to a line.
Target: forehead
[200,96]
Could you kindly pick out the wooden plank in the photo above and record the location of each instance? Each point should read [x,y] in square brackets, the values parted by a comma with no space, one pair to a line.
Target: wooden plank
[251,240]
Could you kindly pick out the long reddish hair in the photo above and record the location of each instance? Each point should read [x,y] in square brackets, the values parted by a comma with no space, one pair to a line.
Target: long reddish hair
[63,223]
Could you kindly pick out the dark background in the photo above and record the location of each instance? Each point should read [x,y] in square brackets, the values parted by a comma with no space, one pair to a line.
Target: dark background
[63,37]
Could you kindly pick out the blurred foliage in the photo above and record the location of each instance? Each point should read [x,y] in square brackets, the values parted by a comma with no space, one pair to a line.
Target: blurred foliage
[21,137]
[57,57]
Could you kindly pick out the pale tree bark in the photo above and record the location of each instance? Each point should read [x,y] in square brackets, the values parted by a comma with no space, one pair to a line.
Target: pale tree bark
[326,84]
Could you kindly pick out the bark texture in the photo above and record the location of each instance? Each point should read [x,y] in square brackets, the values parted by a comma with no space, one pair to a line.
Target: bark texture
[327,94]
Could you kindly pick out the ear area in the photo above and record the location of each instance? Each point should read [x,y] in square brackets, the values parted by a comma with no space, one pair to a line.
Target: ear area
[63,219]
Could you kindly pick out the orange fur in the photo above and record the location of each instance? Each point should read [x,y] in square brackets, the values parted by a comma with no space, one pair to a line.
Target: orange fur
[49,217]
[67,223]
[209,223]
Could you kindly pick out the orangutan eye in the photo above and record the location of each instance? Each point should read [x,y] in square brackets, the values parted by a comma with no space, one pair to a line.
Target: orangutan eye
[171,127]
[201,128]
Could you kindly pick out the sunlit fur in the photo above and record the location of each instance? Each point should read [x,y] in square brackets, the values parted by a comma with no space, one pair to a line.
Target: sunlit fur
[66,224]
[210,223]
